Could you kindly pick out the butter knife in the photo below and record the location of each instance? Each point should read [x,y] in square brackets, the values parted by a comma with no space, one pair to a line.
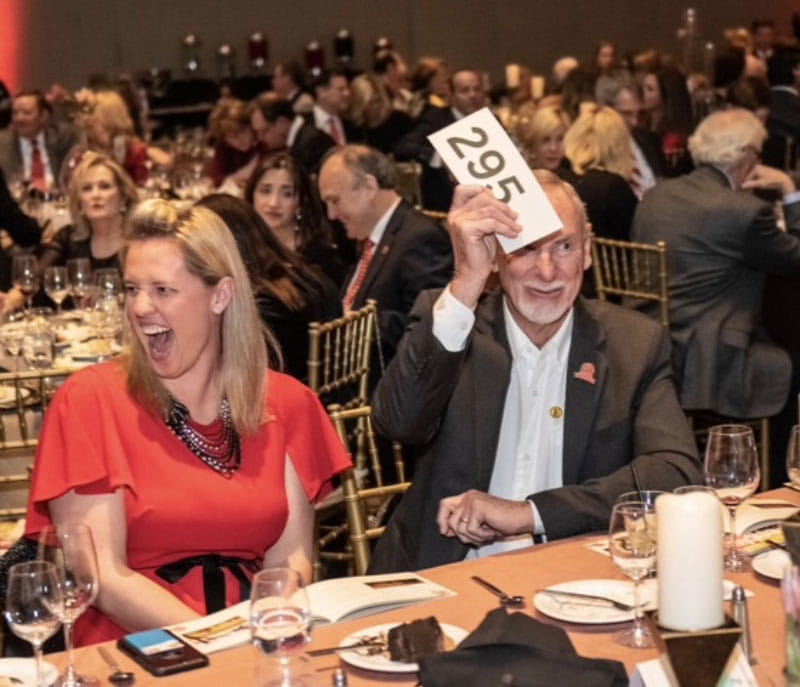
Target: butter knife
[620,605]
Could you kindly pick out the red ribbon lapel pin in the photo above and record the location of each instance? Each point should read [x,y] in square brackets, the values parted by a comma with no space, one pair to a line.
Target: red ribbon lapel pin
[586,373]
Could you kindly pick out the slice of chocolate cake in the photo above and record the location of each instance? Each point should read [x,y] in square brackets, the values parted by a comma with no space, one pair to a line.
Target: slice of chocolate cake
[409,641]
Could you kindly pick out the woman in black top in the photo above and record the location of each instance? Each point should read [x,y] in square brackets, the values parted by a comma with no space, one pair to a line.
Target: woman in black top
[289,294]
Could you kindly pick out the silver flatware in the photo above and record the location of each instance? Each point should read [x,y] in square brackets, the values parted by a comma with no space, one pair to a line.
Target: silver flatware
[620,605]
[367,643]
[510,601]
[118,676]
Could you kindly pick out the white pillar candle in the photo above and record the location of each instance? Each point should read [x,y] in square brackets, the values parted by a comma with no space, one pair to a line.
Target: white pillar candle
[512,75]
[689,561]
[537,86]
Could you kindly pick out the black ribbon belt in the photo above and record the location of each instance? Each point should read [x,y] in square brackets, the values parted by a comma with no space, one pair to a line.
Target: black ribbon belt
[213,577]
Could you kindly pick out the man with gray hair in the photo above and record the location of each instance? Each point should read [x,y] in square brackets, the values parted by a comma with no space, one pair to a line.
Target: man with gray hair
[402,251]
[722,241]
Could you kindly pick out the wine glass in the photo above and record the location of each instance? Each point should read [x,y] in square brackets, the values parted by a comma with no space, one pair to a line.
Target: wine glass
[12,331]
[106,318]
[56,285]
[108,282]
[731,470]
[79,276]
[280,622]
[648,496]
[793,456]
[70,548]
[632,546]
[33,606]
[25,276]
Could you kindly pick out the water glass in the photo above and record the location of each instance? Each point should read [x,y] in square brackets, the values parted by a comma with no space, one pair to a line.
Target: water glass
[280,622]
[38,342]
[33,606]
[793,456]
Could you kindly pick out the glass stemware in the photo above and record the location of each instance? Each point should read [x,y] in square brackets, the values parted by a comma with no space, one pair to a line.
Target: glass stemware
[79,276]
[70,549]
[25,276]
[108,282]
[56,285]
[632,546]
[38,342]
[731,470]
[280,622]
[793,456]
[12,330]
[33,606]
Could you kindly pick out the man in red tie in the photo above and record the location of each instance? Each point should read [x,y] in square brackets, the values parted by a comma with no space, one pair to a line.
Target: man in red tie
[324,128]
[402,251]
[32,149]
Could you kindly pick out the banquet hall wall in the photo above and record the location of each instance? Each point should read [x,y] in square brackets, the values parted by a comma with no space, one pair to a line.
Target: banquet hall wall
[42,41]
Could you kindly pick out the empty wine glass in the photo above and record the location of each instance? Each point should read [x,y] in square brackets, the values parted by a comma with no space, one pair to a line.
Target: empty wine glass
[79,275]
[731,470]
[632,546]
[33,606]
[793,456]
[56,285]
[12,330]
[648,496]
[280,621]
[70,548]
[25,276]
[107,282]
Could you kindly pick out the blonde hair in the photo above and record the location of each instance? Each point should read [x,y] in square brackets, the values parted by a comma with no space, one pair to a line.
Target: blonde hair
[125,185]
[544,122]
[106,109]
[599,139]
[210,253]
[228,118]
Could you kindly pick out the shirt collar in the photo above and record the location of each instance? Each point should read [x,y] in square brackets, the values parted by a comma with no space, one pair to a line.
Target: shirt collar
[521,345]
[380,226]
[727,176]
[321,118]
[458,114]
[297,124]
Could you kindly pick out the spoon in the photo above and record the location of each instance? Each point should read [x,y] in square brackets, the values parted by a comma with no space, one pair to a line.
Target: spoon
[515,601]
[119,676]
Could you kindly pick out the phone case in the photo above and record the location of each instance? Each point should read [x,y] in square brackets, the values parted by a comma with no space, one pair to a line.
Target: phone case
[160,652]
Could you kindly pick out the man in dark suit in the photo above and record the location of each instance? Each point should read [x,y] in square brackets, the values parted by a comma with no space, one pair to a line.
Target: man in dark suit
[467,95]
[324,127]
[783,123]
[402,251]
[721,243]
[534,408]
[30,147]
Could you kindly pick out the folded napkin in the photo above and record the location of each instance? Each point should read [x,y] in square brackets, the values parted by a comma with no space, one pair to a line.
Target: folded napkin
[515,649]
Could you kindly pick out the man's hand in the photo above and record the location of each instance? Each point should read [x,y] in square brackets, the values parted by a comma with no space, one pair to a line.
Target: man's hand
[763,177]
[474,217]
[476,517]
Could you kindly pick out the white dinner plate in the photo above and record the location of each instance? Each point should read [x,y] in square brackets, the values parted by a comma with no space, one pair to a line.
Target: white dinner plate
[773,563]
[8,397]
[590,612]
[25,669]
[359,658]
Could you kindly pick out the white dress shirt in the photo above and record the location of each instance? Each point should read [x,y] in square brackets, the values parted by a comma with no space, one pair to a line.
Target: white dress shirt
[530,447]
[322,120]
[643,174]
[26,150]
[377,234]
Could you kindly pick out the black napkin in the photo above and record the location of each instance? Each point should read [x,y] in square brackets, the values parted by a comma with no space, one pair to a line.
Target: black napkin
[515,649]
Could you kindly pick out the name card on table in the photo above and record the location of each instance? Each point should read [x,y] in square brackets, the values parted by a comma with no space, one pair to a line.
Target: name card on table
[477,150]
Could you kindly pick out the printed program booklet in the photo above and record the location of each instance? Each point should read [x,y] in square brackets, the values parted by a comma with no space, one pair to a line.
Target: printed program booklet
[343,598]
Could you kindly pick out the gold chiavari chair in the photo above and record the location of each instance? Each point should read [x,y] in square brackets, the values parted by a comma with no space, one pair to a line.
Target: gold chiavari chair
[407,182]
[369,496]
[638,271]
[26,397]
[631,270]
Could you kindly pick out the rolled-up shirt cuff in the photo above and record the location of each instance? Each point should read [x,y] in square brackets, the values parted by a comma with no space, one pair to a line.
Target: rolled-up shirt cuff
[790,198]
[452,321]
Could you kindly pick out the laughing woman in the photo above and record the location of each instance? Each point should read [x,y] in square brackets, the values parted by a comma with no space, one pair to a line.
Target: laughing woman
[198,461]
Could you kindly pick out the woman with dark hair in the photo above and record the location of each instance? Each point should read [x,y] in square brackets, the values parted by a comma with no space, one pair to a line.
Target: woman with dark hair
[282,195]
[668,109]
[288,293]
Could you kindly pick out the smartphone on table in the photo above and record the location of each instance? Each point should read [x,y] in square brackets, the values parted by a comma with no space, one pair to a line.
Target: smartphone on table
[160,652]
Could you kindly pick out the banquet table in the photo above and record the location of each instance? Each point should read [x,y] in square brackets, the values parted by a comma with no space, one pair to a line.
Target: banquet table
[520,572]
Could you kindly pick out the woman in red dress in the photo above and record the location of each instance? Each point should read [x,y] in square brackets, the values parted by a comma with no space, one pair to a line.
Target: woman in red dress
[189,460]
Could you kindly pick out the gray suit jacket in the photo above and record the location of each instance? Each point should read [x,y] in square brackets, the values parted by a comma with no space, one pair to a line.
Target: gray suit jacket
[452,404]
[58,139]
[721,244]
